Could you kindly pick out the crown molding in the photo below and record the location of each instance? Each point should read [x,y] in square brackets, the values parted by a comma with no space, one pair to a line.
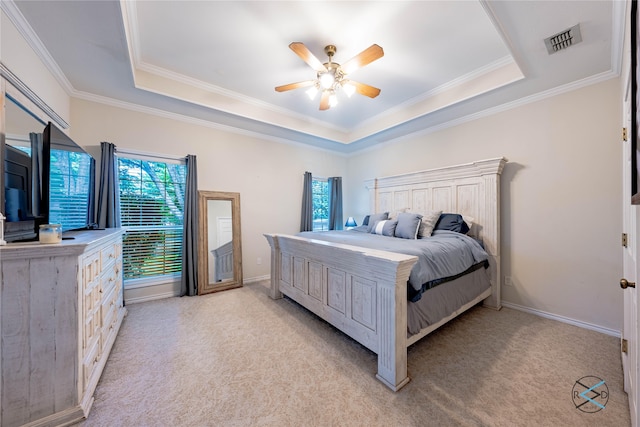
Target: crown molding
[26,31]
[111,102]
[32,96]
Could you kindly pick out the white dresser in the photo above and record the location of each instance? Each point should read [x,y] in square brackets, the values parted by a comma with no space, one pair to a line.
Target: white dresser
[62,307]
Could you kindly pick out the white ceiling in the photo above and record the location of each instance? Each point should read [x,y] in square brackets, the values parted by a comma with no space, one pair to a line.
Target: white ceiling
[218,62]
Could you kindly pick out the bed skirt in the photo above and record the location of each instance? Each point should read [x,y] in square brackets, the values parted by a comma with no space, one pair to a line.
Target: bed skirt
[440,301]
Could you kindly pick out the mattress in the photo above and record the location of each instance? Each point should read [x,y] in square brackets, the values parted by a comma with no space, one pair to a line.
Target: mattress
[444,255]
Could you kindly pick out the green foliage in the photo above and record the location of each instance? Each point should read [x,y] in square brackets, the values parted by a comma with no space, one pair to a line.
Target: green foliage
[152,208]
[320,195]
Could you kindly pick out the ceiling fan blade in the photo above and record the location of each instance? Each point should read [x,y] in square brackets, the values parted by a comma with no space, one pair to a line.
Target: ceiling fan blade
[305,54]
[365,90]
[292,86]
[324,101]
[365,57]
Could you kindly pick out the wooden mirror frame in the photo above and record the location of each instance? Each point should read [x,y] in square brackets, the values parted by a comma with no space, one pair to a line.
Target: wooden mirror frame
[204,287]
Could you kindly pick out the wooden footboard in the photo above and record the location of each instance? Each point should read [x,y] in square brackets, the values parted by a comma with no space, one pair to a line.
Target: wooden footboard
[362,292]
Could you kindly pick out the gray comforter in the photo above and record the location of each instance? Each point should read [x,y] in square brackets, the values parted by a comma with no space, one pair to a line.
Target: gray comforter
[444,254]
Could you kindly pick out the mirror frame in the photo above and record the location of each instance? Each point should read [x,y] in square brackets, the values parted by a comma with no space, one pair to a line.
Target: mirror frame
[203,245]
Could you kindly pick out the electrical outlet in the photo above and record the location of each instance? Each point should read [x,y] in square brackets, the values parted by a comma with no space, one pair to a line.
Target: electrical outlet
[507,281]
[259,261]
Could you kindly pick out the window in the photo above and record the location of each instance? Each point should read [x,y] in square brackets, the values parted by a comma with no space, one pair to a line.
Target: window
[151,210]
[320,196]
[71,181]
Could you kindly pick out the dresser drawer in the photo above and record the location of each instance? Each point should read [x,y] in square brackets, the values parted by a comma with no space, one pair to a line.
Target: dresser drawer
[108,254]
[90,361]
[109,279]
[109,306]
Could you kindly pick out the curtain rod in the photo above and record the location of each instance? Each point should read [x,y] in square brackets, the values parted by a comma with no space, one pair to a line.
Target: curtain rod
[147,155]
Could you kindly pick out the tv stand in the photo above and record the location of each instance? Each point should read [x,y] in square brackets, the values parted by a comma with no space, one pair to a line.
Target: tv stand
[62,307]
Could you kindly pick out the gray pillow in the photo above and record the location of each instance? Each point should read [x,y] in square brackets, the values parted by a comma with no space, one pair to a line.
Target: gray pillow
[429,220]
[386,227]
[373,218]
[408,225]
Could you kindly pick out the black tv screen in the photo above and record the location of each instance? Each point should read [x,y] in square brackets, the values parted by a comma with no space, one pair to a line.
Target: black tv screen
[67,181]
[17,184]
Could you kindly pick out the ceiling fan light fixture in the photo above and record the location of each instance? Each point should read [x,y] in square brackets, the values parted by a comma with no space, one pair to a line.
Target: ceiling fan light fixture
[326,80]
[348,88]
[331,76]
[333,100]
[312,92]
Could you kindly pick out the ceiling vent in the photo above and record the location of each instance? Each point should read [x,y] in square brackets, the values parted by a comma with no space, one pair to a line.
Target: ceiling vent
[563,40]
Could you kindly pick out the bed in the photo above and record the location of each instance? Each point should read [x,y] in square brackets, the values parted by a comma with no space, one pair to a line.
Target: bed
[223,262]
[363,291]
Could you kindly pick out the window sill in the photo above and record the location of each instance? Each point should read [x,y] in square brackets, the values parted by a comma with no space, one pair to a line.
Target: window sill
[152,281]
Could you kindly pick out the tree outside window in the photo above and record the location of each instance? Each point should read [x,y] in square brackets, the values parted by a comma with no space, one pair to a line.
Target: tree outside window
[320,195]
[152,207]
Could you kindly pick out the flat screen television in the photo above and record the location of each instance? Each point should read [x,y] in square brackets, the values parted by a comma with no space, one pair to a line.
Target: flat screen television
[68,179]
[17,184]
[49,181]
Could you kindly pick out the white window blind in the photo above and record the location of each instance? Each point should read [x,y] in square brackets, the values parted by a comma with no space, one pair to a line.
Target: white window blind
[151,209]
[70,180]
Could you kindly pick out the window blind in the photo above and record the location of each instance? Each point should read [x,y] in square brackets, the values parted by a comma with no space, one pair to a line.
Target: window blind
[70,177]
[151,209]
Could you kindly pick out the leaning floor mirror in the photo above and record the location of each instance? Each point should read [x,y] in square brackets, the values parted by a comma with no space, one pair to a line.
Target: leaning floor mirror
[220,248]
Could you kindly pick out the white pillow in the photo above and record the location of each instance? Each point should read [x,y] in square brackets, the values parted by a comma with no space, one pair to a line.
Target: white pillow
[429,220]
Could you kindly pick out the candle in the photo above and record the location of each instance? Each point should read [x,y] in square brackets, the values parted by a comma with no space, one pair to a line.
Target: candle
[50,233]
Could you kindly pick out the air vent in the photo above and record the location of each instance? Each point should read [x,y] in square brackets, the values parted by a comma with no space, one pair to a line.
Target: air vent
[563,40]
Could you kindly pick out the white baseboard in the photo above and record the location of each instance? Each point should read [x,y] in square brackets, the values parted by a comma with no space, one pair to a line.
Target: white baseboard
[137,294]
[563,319]
[150,297]
[256,279]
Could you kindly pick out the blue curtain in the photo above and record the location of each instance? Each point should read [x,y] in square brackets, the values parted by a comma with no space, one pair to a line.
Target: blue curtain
[335,203]
[108,213]
[306,219]
[189,284]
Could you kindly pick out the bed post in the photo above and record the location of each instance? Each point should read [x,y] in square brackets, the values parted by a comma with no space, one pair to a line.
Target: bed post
[392,325]
[275,266]
[491,170]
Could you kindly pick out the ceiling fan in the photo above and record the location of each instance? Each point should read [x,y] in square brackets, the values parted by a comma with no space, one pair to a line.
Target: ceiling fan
[331,76]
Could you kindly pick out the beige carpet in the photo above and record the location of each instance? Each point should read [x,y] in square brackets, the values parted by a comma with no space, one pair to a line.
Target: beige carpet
[238,358]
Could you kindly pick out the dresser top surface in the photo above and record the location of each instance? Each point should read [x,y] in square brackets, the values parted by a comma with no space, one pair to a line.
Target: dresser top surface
[73,243]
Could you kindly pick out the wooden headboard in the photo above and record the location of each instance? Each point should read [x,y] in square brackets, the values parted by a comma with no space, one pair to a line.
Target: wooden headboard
[471,189]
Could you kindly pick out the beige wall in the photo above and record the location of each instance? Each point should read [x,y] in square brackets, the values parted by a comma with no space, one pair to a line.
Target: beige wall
[561,191]
[561,196]
[268,175]
[20,59]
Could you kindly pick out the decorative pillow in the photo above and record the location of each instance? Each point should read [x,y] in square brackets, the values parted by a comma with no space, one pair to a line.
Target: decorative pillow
[469,220]
[452,222]
[361,229]
[365,221]
[373,218]
[408,225]
[386,227]
[395,214]
[429,220]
